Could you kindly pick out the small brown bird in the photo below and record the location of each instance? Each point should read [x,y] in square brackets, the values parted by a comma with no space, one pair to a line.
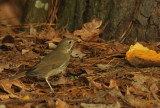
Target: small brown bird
[54,63]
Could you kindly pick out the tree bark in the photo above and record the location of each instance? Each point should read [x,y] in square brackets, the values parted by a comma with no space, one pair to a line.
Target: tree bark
[35,11]
[128,21]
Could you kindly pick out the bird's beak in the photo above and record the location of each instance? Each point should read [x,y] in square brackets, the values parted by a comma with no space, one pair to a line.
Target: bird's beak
[79,40]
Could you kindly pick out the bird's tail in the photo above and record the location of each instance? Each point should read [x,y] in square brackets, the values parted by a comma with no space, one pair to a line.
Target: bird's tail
[19,75]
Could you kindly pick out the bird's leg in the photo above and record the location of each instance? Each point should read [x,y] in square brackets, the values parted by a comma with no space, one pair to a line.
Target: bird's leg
[49,84]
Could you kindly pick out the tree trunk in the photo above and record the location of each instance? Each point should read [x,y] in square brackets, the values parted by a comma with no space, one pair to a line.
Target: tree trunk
[128,21]
[35,11]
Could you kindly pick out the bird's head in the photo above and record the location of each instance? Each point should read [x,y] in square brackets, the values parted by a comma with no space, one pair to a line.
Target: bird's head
[66,44]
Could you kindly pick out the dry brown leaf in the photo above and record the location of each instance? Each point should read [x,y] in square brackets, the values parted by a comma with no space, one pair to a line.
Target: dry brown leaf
[49,34]
[91,26]
[4,66]
[113,84]
[24,51]
[154,88]
[62,80]
[90,31]
[28,105]
[18,83]
[134,89]
[139,88]
[27,97]
[73,91]
[77,53]
[139,83]
[31,55]
[61,104]
[8,39]
[96,84]
[52,45]
[27,43]
[24,44]
[89,71]
[6,85]
[4,96]
[137,102]
[116,105]
[116,93]
[56,39]
[85,105]
[51,102]
[87,93]
[7,96]
[103,66]
[127,91]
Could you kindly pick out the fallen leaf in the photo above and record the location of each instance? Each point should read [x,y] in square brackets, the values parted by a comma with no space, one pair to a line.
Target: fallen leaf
[7,96]
[8,39]
[103,66]
[26,97]
[113,84]
[49,34]
[90,31]
[154,88]
[85,105]
[56,39]
[31,55]
[89,71]
[24,51]
[52,45]
[138,103]
[61,104]
[96,84]
[6,85]
[77,53]
[50,102]
[62,80]
[28,105]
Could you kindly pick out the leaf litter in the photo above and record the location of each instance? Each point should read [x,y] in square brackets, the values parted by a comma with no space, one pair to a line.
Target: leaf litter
[98,74]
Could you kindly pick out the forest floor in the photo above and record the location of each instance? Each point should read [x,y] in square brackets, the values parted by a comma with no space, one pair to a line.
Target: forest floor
[98,76]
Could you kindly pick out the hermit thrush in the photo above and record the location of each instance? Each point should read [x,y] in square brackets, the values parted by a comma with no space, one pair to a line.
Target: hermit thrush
[53,63]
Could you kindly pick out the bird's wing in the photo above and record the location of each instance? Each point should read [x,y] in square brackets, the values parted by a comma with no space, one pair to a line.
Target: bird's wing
[51,61]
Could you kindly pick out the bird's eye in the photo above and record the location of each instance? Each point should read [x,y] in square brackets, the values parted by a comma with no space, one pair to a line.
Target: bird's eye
[69,42]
